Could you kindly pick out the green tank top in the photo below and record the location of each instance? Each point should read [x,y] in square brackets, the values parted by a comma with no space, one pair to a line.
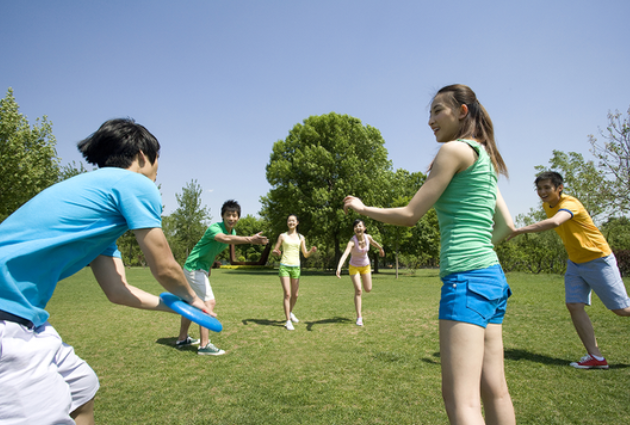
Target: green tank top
[465,213]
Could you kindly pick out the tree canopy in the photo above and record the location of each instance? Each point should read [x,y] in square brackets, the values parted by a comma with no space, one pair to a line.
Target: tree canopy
[320,162]
[613,155]
[28,158]
[189,221]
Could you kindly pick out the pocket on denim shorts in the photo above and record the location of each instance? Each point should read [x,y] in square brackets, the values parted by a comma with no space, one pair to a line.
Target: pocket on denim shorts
[484,295]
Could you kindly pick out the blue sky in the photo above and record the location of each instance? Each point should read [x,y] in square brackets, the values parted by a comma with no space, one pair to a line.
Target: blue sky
[218,82]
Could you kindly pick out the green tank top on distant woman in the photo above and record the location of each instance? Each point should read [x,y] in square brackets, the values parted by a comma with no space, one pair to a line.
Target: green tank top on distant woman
[465,213]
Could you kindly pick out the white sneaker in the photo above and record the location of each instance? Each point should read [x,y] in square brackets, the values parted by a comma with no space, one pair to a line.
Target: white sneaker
[289,326]
[360,321]
[293,318]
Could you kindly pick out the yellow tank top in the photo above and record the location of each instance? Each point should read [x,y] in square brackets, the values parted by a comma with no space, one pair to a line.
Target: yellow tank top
[291,251]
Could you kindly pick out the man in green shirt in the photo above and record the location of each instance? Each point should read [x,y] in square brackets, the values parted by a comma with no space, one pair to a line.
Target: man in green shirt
[197,269]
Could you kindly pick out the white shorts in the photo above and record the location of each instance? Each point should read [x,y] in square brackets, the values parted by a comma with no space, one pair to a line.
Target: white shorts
[602,276]
[42,380]
[198,281]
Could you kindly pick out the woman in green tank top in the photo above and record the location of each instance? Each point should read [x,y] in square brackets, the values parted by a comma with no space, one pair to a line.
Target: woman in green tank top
[462,186]
[291,242]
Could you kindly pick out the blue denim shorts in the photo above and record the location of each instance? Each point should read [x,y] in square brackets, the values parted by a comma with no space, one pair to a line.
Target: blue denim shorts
[478,297]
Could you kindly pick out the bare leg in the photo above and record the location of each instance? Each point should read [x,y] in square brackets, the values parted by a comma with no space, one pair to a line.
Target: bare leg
[462,355]
[285,281]
[204,333]
[584,327]
[494,391]
[356,282]
[367,281]
[183,329]
[84,415]
[295,288]
[622,311]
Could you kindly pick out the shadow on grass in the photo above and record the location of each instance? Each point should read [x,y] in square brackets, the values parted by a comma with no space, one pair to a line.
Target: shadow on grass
[309,325]
[517,355]
[170,342]
[434,360]
[264,322]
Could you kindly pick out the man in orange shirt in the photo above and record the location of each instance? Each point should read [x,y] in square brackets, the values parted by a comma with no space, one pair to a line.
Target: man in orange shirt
[591,264]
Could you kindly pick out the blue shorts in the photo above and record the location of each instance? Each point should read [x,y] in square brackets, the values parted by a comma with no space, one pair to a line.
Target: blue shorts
[602,276]
[478,297]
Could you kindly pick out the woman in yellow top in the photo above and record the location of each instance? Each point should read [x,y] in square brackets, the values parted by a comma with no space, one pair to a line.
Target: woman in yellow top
[289,273]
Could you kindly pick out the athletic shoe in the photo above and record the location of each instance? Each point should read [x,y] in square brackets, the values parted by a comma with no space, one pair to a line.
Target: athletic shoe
[289,326]
[293,318]
[210,350]
[360,321]
[590,362]
[186,342]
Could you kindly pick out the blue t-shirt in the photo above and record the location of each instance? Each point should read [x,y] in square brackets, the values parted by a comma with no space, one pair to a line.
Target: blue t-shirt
[65,227]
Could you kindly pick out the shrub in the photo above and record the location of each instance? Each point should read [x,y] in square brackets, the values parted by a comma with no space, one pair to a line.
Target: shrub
[623,261]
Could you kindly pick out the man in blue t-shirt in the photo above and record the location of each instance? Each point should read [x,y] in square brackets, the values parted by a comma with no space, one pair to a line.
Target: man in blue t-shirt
[57,233]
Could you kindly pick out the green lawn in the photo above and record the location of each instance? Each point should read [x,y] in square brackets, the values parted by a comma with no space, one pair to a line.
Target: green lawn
[329,371]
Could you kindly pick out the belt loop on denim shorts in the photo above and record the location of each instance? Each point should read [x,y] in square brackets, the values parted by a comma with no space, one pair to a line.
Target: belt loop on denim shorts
[16,319]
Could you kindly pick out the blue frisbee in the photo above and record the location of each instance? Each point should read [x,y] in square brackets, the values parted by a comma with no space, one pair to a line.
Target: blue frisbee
[189,312]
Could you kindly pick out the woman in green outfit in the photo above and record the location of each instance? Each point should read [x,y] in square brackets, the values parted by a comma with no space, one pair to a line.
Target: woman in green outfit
[291,242]
[462,186]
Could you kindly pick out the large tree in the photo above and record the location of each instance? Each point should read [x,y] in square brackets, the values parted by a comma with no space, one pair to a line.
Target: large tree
[189,221]
[28,159]
[320,162]
[400,187]
[613,155]
[247,226]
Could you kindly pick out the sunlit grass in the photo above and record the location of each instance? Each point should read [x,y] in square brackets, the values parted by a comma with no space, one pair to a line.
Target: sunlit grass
[329,371]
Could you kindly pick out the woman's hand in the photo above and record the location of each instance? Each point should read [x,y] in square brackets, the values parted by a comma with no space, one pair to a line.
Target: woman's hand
[352,202]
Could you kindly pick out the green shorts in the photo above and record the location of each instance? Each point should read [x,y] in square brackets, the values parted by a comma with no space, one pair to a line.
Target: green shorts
[289,271]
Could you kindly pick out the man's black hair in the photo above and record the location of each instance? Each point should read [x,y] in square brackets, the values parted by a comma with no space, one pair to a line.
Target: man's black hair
[117,142]
[231,205]
[556,178]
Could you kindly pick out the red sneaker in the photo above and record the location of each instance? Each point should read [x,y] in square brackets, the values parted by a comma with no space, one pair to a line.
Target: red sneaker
[590,362]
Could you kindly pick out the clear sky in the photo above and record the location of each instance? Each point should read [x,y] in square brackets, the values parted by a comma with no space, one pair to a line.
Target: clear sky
[218,82]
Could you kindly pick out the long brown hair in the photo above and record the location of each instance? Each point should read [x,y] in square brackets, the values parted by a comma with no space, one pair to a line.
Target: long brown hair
[477,124]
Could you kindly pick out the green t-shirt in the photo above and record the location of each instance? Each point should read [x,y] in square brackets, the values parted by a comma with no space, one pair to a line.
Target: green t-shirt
[203,254]
[465,211]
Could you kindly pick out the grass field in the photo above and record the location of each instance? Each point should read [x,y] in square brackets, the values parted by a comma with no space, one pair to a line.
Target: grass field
[329,371]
